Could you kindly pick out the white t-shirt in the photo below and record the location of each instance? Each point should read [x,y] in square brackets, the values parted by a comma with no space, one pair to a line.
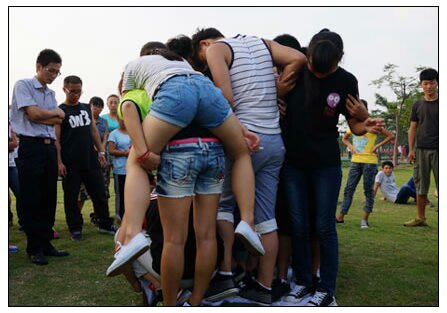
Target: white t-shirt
[387,185]
[150,71]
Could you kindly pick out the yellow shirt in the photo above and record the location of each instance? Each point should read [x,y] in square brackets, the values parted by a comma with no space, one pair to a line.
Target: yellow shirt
[364,145]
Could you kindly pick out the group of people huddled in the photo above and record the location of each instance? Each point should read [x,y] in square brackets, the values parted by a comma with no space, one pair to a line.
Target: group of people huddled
[226,164]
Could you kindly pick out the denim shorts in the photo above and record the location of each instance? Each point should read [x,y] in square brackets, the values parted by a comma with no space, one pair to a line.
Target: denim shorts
[184,98]
[191,168]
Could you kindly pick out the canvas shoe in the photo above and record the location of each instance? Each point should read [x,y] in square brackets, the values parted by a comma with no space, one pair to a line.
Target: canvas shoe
[250,238]
[416,222]
[127,254]
[76,235]
[256,293]
[322,298]
[280,288]
[298,294]
[364,224]
[221,287]
[109,229]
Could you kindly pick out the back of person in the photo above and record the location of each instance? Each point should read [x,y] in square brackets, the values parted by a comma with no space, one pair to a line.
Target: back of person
[254,85]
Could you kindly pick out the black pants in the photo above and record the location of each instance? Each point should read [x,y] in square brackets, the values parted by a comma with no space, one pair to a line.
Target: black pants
[37,169]
[94,184]
[119,180]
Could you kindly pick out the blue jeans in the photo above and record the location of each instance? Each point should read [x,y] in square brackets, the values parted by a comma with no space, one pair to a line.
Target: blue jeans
[408,190]
[356,171]
[314,215]
[13,184]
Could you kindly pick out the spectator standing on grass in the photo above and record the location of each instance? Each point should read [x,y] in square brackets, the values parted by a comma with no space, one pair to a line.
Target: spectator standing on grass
[13,177]
[423,138]
[97,105]
[119,147]
[79,162]
[33,115]
[363,163]
[112,124]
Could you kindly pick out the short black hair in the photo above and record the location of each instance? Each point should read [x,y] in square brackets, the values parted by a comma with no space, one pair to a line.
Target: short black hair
[48,56]
[429,74]
[182,45]
[148,46]
[203,34]
[72,79]
[288,41]
[365,103]
[97,102]
[389,163]
[113,96]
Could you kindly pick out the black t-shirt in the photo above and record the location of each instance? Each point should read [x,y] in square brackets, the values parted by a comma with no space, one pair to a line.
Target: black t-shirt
[77,149]
[426,114]
[310,129]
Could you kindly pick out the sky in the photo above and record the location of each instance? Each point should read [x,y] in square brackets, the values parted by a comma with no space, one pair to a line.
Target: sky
[95,43]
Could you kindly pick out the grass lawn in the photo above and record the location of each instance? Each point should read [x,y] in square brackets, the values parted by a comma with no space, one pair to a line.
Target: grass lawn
[385,265]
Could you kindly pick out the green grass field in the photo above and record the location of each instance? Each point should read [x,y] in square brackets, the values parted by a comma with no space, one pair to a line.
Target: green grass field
[385,265]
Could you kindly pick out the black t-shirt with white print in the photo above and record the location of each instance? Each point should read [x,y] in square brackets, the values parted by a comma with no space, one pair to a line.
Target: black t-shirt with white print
[77,150]
[310,130]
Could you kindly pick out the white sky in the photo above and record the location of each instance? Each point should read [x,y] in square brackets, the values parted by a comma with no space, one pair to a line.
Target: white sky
[96,43]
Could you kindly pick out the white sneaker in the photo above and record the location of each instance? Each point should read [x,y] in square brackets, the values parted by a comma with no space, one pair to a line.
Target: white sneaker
[127,254]
[250,238]
[364,224]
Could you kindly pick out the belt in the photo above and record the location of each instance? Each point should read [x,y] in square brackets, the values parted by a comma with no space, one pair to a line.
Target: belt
[46,141]
[191,140]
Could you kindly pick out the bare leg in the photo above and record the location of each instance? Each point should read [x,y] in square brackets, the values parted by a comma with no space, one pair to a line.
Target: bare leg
[284,253]
[174,215]
[267,262]
[205,213]
[421,201]
[226,232]
[243,182]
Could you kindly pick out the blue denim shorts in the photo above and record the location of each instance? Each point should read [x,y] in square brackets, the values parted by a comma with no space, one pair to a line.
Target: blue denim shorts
[184,98]
[190,169]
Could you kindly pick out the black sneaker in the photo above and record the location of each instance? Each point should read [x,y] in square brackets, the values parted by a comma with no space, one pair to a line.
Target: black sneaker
[256,293]
[109,229]
[322,298]
[238,273]
[221,286]
[93,219]
[298,294]
[76,236]
[280,288]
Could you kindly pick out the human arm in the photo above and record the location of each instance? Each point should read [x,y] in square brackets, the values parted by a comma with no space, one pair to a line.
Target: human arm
[13,143]
[98,145]
[62,170]
[389,136]
[42,116]
[356,108]
[376,187]
[412,140]
[290,61]
[372,125]
[348,143]
[105,136]
[114,151]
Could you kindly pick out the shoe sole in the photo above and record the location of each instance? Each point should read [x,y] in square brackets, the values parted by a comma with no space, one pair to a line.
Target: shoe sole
[224,294]
[126,264]
[249,246]
[103,231]
[294,300]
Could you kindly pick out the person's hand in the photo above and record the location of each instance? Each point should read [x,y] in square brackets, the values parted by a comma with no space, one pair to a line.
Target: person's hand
[374,149]
[284,84]
[102,159]
[282,106]
[151,162]
[411,156]
[252,141]
[374,125]
[61,169]
[353,151]
[356,108]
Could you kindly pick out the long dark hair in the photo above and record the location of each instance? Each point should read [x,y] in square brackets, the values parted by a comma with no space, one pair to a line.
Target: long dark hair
[324,52]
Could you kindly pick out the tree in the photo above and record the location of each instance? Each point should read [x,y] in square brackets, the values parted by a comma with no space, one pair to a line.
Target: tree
[404,88]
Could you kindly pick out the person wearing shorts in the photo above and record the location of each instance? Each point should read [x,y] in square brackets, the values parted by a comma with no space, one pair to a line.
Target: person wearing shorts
[424,136]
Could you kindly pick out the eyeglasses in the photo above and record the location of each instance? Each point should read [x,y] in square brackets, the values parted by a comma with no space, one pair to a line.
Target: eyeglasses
[73,92]
[53,71]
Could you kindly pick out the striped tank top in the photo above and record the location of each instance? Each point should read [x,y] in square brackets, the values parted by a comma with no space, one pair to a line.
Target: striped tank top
[254,84]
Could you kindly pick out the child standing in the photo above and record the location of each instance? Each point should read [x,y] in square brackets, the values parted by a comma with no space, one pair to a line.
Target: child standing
[119,146]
